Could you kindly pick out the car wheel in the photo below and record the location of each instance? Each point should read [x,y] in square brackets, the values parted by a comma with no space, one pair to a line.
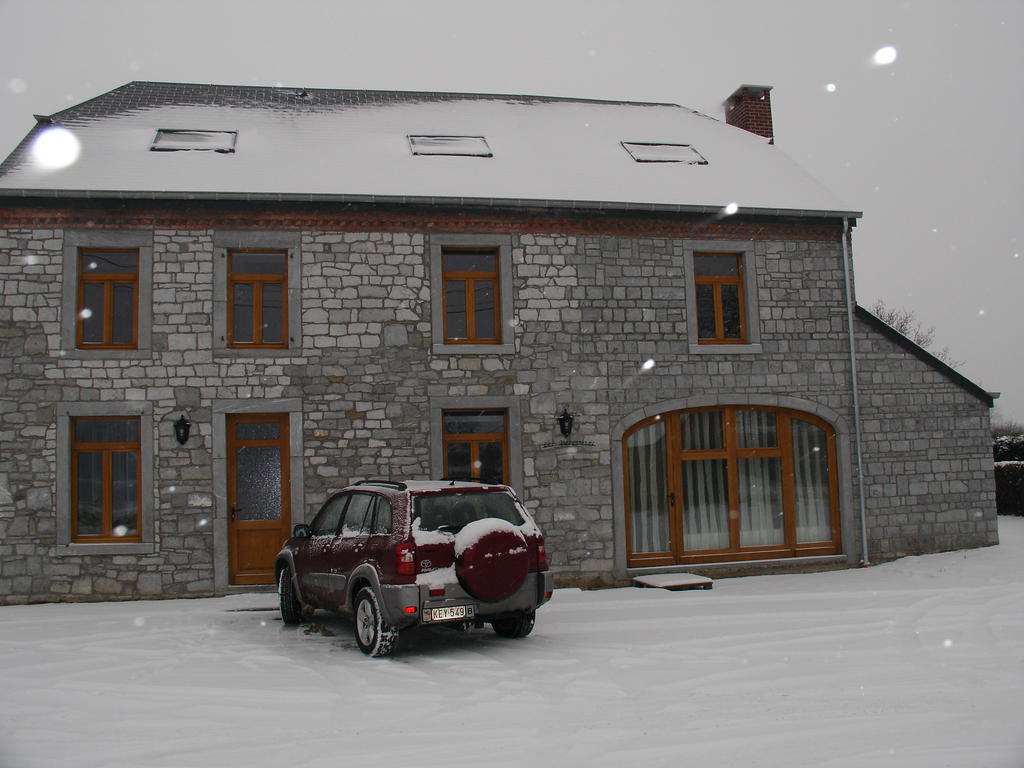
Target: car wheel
[517,626]
[373,634]
[291,607]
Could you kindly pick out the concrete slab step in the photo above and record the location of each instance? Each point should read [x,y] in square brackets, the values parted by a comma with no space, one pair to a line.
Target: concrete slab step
[673,581]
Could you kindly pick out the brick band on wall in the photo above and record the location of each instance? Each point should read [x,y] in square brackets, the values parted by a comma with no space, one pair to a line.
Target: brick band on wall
[219,216]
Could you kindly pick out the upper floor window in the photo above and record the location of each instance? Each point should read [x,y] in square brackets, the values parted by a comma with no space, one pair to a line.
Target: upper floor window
[471,295]
[257,299]
[108,298]
[721,313]
[476,444]
[106,479]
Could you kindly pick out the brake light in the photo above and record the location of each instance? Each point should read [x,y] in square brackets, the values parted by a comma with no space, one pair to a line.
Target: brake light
[405,559]
[542,555]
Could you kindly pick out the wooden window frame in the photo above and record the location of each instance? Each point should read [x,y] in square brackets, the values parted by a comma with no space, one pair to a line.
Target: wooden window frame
[105,449]
[732,453]
[716,282]
[474,439]
[258,281]
[108,280]
[470,278]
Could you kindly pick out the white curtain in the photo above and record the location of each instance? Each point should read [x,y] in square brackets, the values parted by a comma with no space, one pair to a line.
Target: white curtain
[705,505]
[810,473]
[760,487]
[702,431]
[756,429]
[648,494]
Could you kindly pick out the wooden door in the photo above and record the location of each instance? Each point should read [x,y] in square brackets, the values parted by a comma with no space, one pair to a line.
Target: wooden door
[259,514]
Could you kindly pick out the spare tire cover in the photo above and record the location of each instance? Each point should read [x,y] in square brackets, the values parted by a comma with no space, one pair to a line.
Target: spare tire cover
[491,559]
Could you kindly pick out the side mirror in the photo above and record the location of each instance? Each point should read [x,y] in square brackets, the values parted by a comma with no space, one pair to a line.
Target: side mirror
[300,531]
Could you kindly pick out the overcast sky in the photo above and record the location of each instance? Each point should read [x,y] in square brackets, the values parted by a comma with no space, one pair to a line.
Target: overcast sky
[929,146]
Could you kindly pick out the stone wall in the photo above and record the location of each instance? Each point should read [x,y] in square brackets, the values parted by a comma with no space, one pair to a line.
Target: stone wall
[929,481]
[589,311]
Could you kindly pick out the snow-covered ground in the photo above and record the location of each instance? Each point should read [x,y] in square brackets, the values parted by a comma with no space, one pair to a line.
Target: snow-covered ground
[919,662]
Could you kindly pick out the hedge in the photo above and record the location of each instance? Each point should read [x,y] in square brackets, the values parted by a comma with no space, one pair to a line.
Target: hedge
[1008,448]
[1010,488]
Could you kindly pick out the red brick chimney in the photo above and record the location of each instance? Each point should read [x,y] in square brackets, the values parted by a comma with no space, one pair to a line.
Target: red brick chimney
[750,108]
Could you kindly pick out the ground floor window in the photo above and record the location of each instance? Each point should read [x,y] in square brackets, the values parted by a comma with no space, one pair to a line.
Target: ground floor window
[730,483]
[475,444]
[106,474]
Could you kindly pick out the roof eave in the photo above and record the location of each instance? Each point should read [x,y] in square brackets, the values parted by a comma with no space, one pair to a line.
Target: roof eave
[496,202]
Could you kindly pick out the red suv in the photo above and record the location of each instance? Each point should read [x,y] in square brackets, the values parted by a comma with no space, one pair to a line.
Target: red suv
[396,555]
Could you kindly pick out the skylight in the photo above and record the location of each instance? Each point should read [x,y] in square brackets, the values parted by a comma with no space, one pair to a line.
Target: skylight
[646,152]
[465,146]
[173,140]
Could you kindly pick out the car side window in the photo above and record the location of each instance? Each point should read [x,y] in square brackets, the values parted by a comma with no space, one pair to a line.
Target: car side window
[326,521]
[358,516]
[382,524]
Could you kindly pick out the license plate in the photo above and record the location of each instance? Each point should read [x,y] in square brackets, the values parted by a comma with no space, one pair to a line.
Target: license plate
[450,613]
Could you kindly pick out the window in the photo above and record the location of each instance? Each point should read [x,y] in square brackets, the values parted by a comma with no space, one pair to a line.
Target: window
[475,445]
[358,515]
[383,522]
[108,298]
[326,521]
[107,294]
[644,152]
[730,483]
[471,296]
[471,301]
[257,299]
[464,146]
[718,280]
[722,308]
[168,140]
[106,479]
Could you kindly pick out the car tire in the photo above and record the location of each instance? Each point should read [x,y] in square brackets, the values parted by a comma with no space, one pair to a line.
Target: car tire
[373,634]
[517,626]
[291,606]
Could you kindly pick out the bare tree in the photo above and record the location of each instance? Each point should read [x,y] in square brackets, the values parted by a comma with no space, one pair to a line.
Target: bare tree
[907,322]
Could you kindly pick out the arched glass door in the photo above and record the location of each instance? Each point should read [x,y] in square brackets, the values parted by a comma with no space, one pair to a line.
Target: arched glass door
[730,483]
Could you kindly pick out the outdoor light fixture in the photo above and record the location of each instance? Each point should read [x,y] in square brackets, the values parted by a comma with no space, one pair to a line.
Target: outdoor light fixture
[181,430]
[565,423]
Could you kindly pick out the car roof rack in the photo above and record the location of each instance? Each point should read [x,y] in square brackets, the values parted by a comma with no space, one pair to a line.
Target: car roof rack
[387,483]
[464,479]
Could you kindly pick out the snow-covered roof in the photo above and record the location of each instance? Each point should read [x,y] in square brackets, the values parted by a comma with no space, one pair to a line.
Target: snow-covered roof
[318,144]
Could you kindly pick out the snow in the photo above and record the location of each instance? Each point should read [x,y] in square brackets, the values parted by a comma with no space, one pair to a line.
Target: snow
[917,663]
[476,530]
[565,150]
[673,581]
[440,577]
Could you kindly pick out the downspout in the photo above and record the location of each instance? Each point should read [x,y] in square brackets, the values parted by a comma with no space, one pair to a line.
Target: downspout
[865,562]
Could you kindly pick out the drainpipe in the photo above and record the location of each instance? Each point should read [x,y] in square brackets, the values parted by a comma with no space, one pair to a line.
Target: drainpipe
[865,562]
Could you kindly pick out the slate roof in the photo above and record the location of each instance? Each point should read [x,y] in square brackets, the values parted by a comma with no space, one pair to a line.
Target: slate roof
[353,145]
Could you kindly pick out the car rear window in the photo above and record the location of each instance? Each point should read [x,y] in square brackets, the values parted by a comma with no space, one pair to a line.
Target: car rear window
[451,511]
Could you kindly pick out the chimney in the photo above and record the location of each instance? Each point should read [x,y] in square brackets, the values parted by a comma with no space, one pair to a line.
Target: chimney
[750,108]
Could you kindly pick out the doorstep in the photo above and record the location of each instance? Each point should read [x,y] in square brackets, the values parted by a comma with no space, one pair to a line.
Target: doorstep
[673,581]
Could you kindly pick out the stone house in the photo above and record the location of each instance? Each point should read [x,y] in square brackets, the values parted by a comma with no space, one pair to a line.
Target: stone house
[222,303]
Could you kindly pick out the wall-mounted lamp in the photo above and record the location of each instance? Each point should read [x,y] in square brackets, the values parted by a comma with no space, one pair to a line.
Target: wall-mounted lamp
[181,430]
[565,423]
